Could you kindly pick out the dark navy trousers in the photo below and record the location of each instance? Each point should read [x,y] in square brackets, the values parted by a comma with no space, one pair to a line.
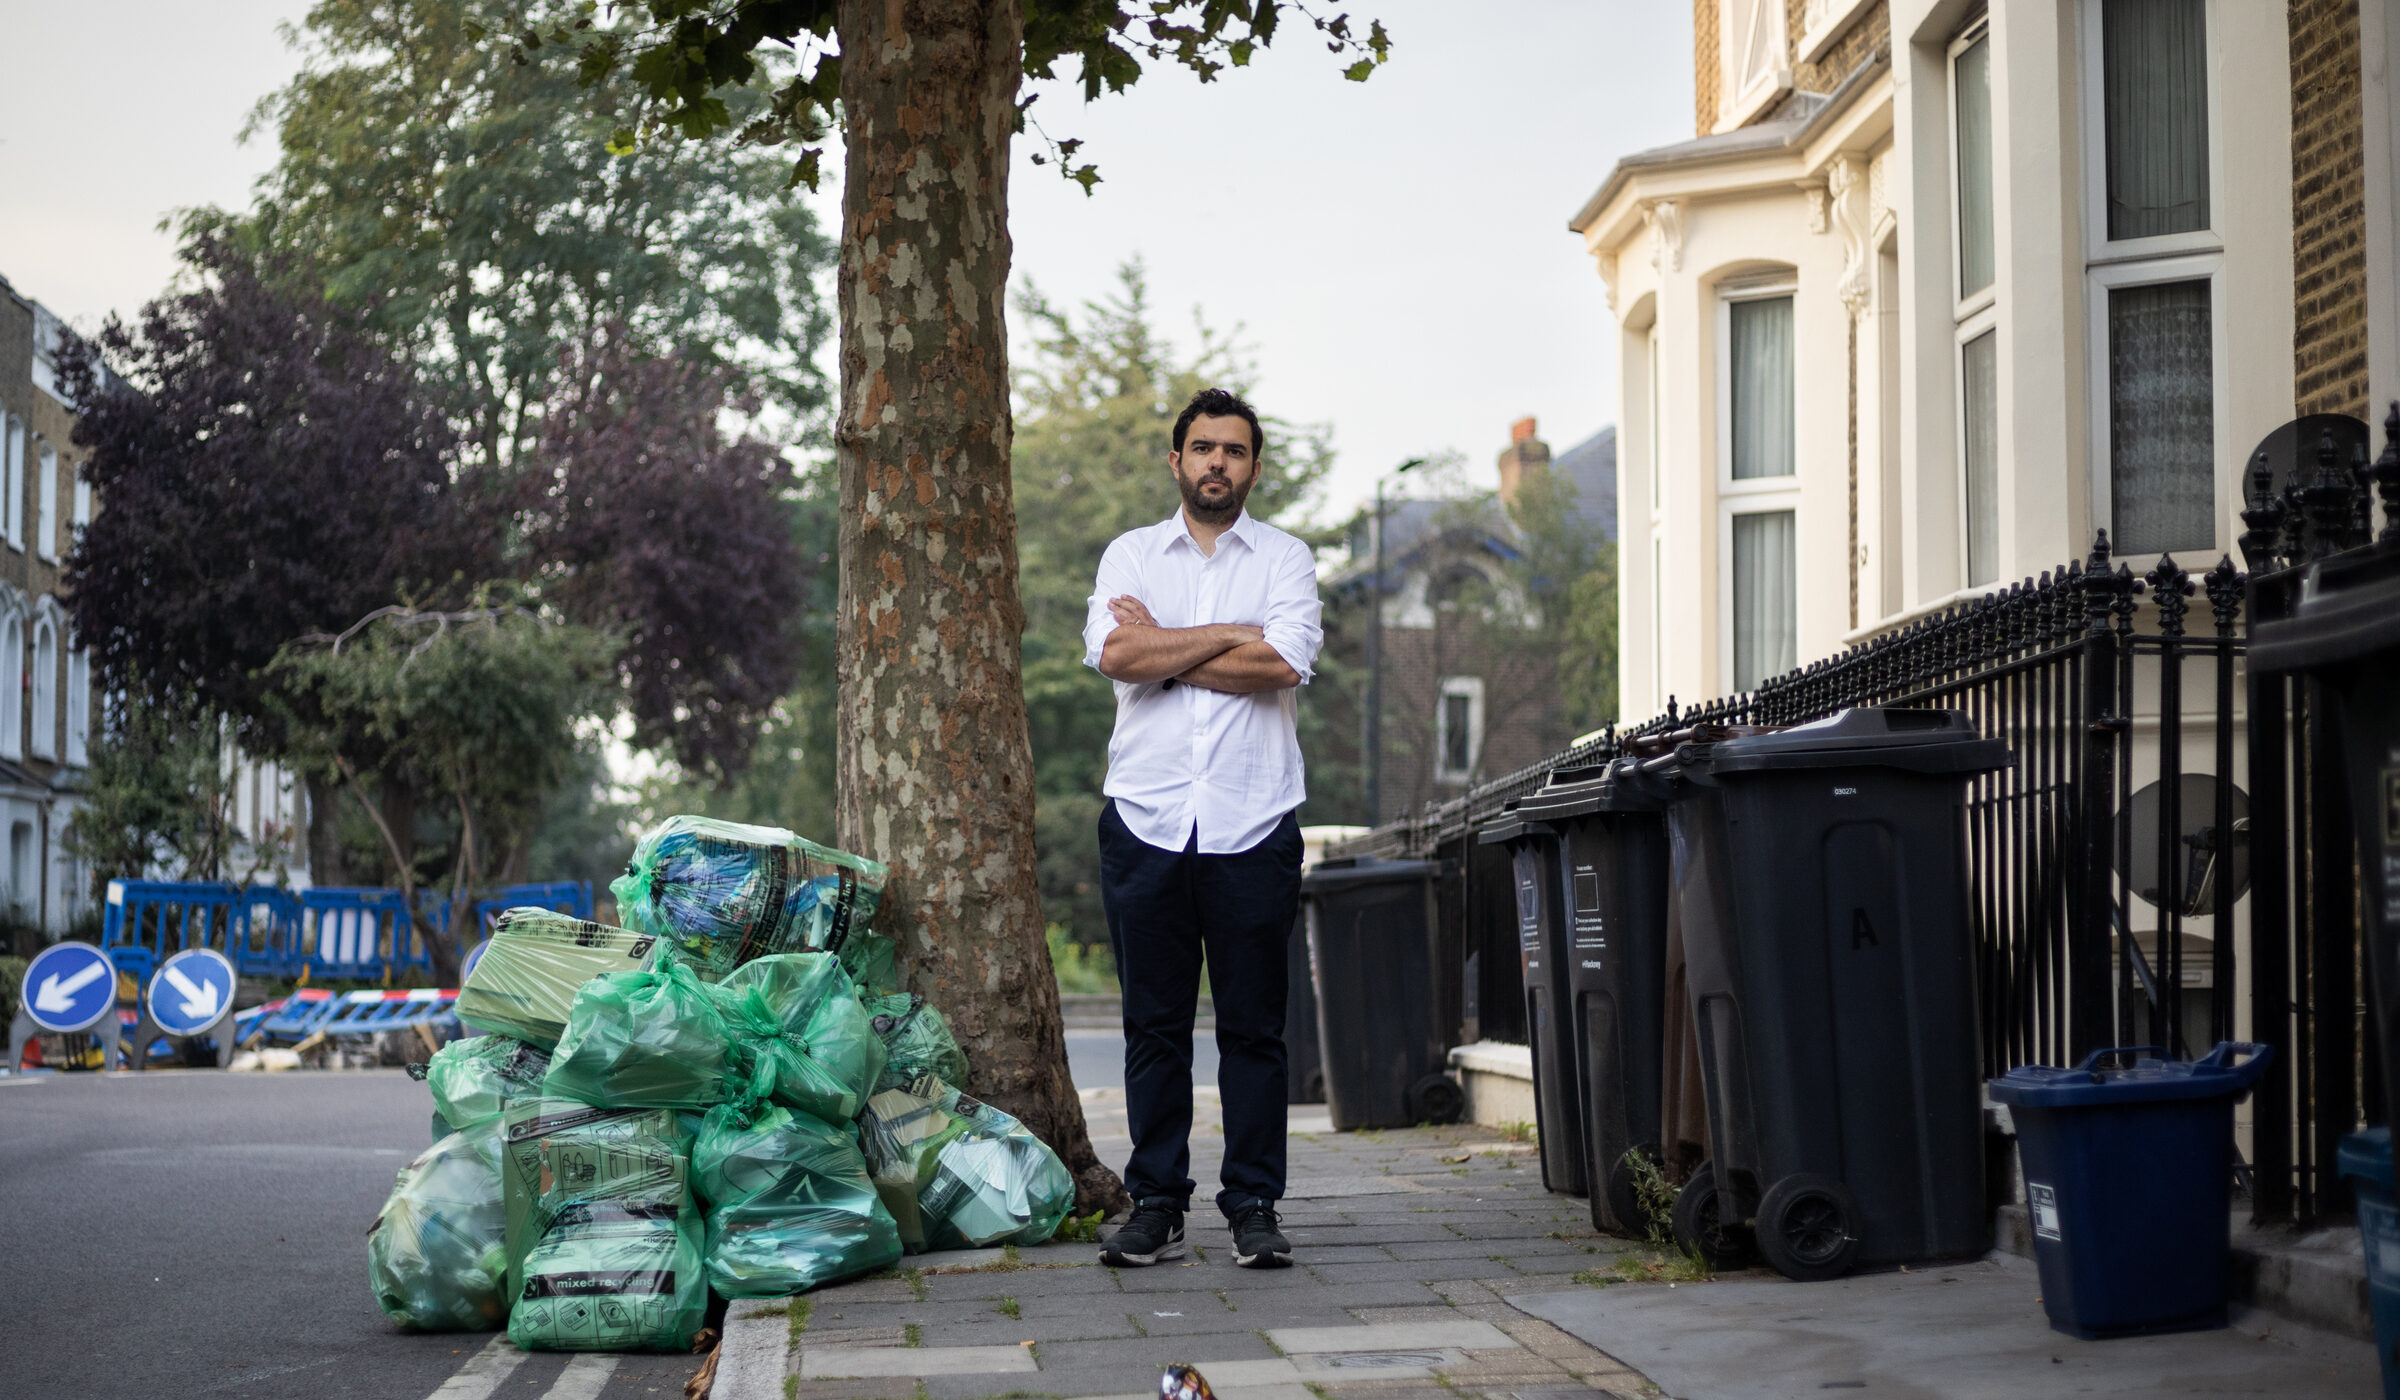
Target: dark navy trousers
[1166,910]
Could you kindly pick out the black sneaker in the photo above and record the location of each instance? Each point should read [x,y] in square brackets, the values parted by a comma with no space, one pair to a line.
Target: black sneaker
[1154,1232]
[1258,1241]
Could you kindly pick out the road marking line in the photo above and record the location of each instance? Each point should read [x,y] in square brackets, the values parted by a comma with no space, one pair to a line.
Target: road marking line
[586,1376]
[483,1372]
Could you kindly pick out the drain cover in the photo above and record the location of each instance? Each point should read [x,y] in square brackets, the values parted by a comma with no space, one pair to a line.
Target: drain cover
[1383,1360]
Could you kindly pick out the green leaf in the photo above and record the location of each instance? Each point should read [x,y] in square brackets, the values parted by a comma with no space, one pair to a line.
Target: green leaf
[1360,71]
[806,172]
[621,142]
[475,31]
[1086,176]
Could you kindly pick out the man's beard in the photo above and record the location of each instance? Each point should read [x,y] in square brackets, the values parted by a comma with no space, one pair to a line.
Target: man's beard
[1224,511]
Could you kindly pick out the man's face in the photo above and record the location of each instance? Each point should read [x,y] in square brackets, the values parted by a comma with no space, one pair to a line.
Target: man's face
[1216,468]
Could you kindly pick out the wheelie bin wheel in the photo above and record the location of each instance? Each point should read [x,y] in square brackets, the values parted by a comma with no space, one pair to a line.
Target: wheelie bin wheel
[1808,1227]
[1436,1099]
[1625,1187]
[1700,1228]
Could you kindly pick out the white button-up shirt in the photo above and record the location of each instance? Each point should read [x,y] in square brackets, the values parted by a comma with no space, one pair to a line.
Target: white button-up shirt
[1184,757]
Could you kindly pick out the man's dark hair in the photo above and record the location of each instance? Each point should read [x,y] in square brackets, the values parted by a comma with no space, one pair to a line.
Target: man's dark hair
[1221,403]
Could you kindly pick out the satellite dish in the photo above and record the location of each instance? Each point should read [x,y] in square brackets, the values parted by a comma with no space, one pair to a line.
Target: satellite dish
[2203,854]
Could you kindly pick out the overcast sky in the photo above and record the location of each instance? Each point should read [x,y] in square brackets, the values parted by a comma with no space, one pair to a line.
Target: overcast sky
[1394,252]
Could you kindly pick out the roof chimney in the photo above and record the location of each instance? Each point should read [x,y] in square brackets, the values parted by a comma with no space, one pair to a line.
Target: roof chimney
[1524,450]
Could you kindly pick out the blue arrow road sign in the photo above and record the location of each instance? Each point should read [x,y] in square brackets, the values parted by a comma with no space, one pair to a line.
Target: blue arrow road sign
[192,991]
[70,987]
[466,965]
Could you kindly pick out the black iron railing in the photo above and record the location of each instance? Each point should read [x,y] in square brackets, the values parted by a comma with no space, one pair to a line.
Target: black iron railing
[2173,830]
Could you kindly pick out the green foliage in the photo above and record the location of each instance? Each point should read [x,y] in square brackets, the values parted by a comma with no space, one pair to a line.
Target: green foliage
[1080,1229]
[694,53]
[470,209]
[159,792]
[1097,391]
[1081,967]
[479,710]
[1655,1196]
[12,984]
[1571,577]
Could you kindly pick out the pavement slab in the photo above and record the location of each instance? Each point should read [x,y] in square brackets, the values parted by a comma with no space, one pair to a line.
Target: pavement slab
[1972,1331]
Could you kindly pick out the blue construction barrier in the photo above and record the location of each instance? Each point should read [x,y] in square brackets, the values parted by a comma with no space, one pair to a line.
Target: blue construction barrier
[360,934]
[340,933]
[572,898]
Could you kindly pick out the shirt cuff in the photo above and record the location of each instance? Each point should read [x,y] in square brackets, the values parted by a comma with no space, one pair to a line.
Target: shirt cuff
[1295,653]
[1096,643]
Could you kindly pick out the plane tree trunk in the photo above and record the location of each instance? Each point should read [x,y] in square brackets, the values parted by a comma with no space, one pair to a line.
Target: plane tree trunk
[936,769]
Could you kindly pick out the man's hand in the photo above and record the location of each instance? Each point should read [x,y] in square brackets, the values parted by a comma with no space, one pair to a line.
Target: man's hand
[1129,611]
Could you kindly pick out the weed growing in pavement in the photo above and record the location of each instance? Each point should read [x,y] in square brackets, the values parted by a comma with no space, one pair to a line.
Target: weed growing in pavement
[1227,1300]
[1080,1229]
[1518,1130]
[800,1308]
[1664,1266]
[1007,1308]
[913,1335]
[916,1282]
[791,1388]
[1655,1197]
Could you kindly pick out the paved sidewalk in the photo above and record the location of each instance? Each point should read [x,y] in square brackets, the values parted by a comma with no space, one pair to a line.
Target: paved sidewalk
[1433,1266]
[1407,1242]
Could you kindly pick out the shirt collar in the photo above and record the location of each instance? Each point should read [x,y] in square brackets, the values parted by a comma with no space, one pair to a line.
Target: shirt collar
[1243,528]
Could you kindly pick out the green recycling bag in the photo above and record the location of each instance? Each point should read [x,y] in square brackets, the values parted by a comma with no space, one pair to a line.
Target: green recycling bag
[550,1146]
[535,963]
[810,1045]
[653,1039]
[435,1257]
[916,1041]
[790,1205]
[903,1133]
[614,1275]
[995,1184]
[721,893]
[473,1079]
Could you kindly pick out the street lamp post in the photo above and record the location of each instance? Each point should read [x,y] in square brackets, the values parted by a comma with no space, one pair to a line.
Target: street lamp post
[1370,739]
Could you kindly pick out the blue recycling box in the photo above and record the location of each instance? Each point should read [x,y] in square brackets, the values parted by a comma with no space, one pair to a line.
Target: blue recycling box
[2128,1163]
[2366,1158]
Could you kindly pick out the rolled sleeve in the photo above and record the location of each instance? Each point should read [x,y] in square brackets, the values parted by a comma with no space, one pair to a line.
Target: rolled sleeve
[1295,614]
[1116,579]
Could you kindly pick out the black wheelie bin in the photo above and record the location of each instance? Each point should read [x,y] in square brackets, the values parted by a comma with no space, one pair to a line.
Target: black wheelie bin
[1612,833]
[1374,945]
[1549,1021]
[1822,878]
[2344,632]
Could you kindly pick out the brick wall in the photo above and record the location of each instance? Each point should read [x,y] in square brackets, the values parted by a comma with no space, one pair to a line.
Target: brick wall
[1863,37]
[2329,213]
[1704,64]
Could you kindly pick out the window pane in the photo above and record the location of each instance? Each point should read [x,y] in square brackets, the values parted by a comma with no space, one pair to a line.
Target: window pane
[1979,384]
[2162,419]
[1454,733]
[1762,388]
[1765,617]
[2154,62]
[1972,76]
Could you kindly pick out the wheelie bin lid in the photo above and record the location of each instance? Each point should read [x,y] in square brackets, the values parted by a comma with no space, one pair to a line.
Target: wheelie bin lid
[1920,741]
[1349,872]
[2367,1155]
[1513,824]
[2141,1074]
[2349,609]
[1613,787]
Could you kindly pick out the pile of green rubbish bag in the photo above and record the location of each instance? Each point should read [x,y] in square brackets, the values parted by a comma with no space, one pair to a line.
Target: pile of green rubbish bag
[725,1094]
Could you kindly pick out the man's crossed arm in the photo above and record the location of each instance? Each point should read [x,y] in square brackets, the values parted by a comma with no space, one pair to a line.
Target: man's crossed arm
[1232,657]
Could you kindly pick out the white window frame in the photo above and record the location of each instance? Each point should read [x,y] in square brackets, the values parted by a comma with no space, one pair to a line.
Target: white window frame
[1658,620]
[1758,289]
[2101,281]
[45,500]
[12,481]
[1746,93]
[44,738]
[1966,306]
[1727,510]
[1472,688]
[1985,320]
[12,686]
[1654,427]
[79,706]
[2098,247]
